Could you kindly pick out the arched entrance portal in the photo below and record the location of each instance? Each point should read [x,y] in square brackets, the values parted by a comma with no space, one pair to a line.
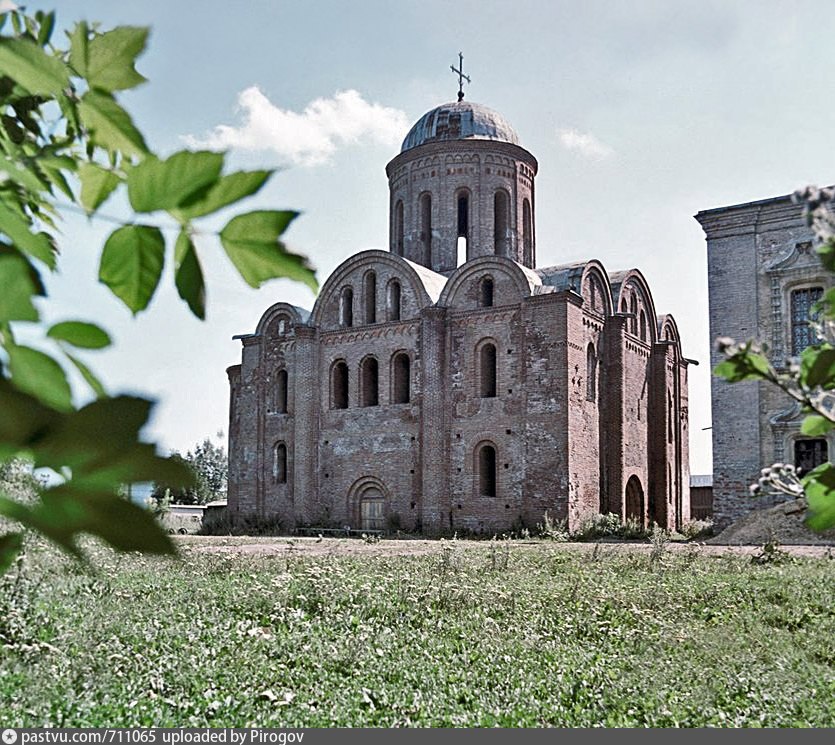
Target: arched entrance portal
[634,500]
[367,504]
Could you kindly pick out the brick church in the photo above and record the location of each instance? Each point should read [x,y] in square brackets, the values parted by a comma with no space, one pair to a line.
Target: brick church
[448,384]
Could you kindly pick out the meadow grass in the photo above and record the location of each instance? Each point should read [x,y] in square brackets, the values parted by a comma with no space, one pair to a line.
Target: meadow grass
[470,634]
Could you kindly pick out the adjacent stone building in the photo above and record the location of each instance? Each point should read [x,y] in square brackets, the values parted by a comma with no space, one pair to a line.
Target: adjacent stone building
[450,385]
[763,278]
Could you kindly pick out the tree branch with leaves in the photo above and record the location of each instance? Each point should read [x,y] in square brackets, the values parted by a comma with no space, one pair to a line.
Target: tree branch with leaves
[67,143]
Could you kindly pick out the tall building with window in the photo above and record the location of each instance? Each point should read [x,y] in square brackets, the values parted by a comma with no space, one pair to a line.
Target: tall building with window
[764,278]
[448,384]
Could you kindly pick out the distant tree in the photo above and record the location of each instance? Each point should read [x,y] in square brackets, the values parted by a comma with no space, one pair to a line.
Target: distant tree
[209,464]
[67,143]
[809,379]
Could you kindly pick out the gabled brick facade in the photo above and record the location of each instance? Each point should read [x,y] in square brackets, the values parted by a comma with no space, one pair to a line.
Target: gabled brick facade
[447,385]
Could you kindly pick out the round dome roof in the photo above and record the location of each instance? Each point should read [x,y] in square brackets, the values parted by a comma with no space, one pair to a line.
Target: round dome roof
[460,120]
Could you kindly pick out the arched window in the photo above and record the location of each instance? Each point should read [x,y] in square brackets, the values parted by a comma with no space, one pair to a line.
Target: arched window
[280,402]
[463,231]
[591,374]
[426,229]
[634,500]
[643,317]
[803,334]
[486,465]
[339,385]
[398,228]
[670,413]
[527,233]
[369,380]
[280,463]
[485,292]
[400,375]
[487,364]
[633,309]
[501,220]
[346,307]
[393,301]
[369,291]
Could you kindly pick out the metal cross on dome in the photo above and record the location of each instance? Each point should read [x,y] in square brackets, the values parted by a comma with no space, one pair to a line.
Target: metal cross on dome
[461,76]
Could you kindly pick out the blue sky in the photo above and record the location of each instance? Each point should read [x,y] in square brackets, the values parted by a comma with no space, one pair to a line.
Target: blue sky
[640,114]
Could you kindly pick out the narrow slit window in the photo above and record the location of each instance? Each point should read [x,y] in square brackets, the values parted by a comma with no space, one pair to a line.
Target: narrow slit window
[485,292]
[487,359]
[339,385]
[346,307]
[501,220]
[487,471]
[393,301]
[370,293]
[398,228]
[280,403]
[369,375]
[401,392]
[280,463]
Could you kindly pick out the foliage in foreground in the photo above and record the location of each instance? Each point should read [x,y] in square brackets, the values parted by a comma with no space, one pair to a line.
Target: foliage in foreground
[66,142]
[468,635]
[809,380]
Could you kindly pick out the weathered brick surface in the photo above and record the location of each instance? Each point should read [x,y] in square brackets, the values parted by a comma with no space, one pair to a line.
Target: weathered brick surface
[560,446]
[757,253]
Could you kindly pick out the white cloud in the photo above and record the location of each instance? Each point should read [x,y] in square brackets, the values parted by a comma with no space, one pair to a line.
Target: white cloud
[310,137]
[584,143]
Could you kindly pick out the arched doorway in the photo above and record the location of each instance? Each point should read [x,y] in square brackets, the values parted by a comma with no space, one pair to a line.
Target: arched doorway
[367,504]
[634,500]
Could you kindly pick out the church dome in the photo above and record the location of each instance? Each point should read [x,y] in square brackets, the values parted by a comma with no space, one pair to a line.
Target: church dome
[460,120]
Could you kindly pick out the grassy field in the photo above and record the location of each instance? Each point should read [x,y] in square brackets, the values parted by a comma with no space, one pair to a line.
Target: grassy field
[456,634]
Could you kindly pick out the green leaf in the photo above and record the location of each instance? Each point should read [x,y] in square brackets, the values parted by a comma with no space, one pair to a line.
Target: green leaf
[98,432]
[80,334]
[166,184]
[188,276]
[743,366]
[131,264]
[31,177]
[27,64]
[88,375]
[47,25]
[79,48]
[110,125]
[38,374]
[227,190]
[25,420]
[251,242]
[819,486]
[111,56]
[22,233]
[97,184]
[18,288]
[10,546]
[815,425]
[817,366]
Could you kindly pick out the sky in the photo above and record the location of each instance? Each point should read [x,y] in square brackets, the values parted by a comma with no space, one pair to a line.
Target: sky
[640,115]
